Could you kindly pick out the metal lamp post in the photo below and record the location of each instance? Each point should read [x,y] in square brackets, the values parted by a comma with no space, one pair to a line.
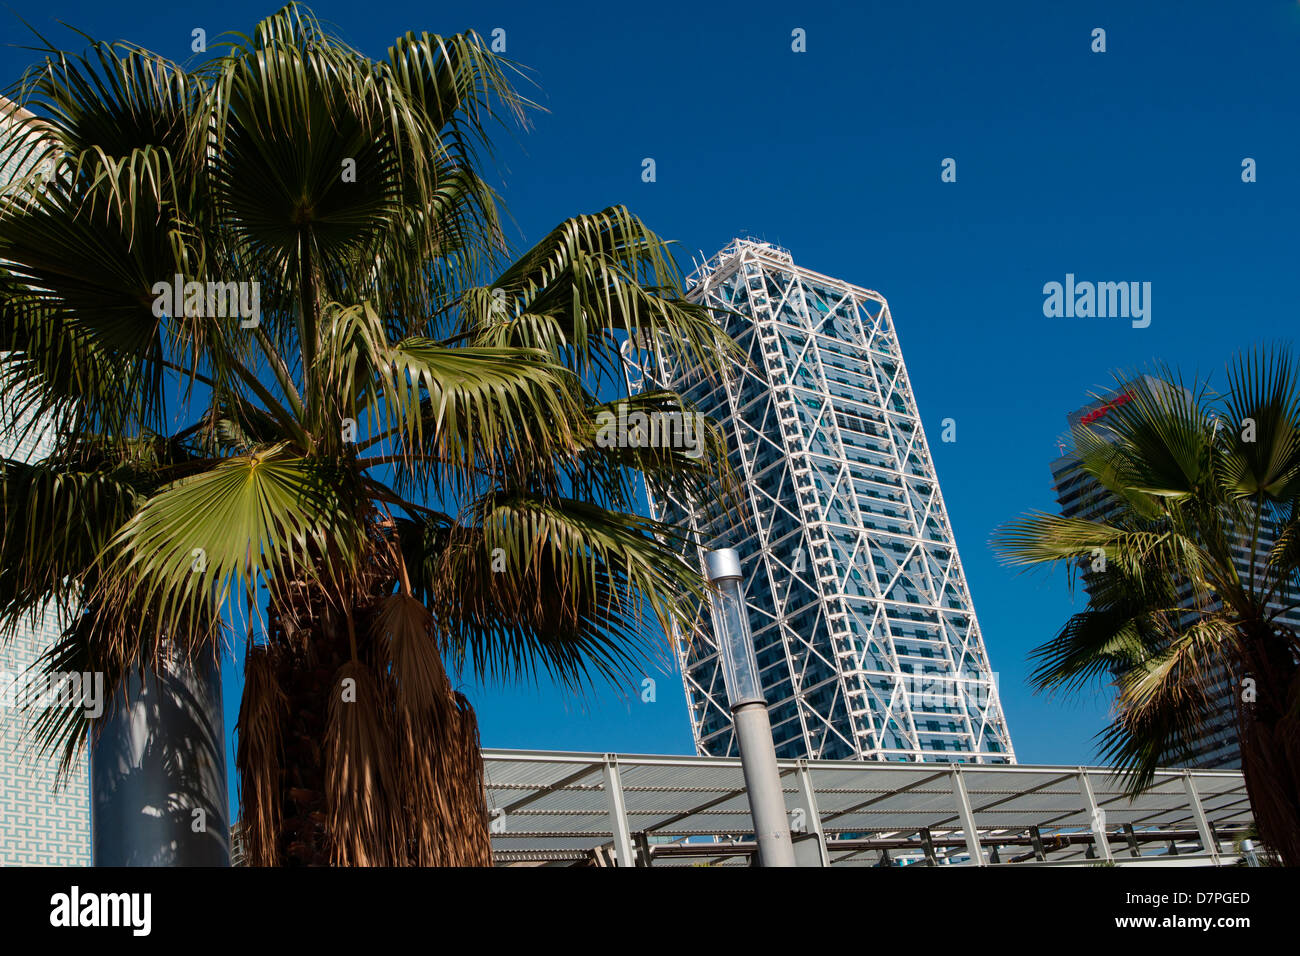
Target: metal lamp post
[749,710]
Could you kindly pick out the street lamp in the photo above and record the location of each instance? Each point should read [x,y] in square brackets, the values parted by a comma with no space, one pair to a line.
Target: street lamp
[748,710]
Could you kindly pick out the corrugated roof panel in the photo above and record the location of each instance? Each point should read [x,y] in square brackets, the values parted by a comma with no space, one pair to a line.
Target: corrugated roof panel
[554,806]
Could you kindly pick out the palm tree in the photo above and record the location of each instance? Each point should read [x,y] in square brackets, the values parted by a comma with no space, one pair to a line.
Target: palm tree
[1193,577]
[389,471]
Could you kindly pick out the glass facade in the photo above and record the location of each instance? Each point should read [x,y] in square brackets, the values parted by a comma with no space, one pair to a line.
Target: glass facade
[863,625]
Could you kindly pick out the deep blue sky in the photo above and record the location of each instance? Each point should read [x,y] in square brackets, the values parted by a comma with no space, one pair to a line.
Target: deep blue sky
[1118,166]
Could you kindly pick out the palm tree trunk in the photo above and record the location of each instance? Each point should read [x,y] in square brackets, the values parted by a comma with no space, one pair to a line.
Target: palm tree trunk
[306,674]
[1270,742]
[442,822]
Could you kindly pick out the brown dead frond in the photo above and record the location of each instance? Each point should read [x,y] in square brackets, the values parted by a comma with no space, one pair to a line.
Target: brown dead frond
[359,779]
[260,726]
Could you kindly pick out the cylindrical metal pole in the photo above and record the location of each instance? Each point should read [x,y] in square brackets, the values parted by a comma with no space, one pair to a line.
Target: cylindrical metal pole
[763,782]
[158,770]
[1249,852]
[748,709]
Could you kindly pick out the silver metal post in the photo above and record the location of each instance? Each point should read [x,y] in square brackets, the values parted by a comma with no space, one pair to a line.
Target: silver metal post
[618,813]
[749,711]
[967,817]
[1209,843]
[158,770]
[1096,817]
[763,783]
[814,821]
[1249,852]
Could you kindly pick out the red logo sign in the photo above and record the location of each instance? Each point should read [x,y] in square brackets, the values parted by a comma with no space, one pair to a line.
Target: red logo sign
[1122,399]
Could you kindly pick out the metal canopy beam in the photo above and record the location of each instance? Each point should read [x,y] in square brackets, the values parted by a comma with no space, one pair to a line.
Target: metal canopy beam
[551,788]
[679,802]
[618,812]
[967,817]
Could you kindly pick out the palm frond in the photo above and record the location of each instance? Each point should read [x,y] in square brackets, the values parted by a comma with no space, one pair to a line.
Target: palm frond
[360,778]
[248,521]
[594,282]
[556,587]
[262,710]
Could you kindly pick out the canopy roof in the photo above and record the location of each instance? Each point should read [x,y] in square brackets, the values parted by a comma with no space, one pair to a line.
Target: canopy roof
[555,807]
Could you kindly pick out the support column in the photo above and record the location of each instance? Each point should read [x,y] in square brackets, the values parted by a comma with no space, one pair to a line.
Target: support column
[967,816]
[763,782]
[618,813]
[1096,820]
[158,770]
[1209,843]
[814,814]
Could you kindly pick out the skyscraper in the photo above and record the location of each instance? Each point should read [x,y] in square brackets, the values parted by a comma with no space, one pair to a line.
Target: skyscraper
[38,824]
[862,620]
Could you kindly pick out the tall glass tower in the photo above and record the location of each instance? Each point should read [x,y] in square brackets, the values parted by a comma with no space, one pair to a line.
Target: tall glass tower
[862,619]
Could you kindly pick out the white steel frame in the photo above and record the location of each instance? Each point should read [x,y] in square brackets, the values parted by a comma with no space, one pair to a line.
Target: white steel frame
[630,810]
[824,433]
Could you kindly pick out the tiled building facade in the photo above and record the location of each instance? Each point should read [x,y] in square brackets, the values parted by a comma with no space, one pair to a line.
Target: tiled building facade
[39,824]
